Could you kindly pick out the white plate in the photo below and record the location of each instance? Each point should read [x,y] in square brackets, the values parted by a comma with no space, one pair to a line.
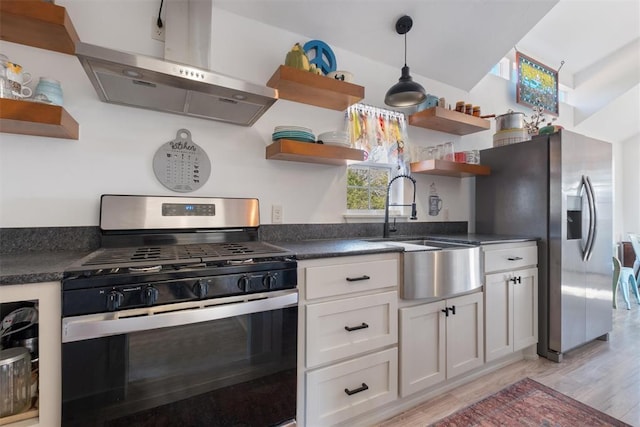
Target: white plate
[340,144]
[335,135]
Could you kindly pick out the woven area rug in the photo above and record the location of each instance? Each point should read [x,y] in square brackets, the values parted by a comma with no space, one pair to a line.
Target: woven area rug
[529,403]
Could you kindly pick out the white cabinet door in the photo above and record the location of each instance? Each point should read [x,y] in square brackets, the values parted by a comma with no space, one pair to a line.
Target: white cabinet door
[440,340]
[465,334]
[350,326]
[422,347]
[511,312]
[498,316]
[525,308]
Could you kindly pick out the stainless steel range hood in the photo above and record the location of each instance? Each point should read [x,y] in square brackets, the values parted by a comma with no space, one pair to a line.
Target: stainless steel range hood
[156,84]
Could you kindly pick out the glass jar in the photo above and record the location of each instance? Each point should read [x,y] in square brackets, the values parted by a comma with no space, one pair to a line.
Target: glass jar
[447,153]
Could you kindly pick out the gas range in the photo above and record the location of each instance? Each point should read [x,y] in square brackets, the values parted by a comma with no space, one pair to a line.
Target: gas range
[163,250]
[182,308]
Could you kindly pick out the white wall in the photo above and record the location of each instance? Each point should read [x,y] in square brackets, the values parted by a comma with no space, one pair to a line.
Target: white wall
[628,200]
[58,182]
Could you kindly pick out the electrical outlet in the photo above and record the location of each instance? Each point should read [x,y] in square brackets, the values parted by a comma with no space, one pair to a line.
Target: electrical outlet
[157,33]
[276,214]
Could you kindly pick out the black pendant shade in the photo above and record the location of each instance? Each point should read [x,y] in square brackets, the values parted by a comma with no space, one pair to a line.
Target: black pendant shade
[406,92]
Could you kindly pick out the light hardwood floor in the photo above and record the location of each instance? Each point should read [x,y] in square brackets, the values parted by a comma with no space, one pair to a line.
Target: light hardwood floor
[603,375]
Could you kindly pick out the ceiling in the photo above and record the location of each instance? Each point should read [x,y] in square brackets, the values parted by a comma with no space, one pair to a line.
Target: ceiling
[457,42]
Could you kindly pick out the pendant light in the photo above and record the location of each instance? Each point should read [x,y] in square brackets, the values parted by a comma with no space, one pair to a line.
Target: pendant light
[406,92]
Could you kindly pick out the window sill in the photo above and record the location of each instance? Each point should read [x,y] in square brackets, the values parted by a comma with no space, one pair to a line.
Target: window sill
[353,218]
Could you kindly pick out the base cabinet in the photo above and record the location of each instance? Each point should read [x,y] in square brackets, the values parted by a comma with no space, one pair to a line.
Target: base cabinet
[348,337]
[511,299]
[440,340]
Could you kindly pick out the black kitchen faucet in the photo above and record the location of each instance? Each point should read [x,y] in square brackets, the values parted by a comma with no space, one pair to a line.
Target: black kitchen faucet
[414,214]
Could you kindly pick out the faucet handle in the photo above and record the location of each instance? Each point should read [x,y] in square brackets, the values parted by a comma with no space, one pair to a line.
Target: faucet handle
[414,211]
[393,228]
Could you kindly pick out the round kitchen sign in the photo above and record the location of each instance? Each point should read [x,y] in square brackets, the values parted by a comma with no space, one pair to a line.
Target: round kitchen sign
[181,165]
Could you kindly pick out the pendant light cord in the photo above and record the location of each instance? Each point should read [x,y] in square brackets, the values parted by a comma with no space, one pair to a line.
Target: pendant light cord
[405,49]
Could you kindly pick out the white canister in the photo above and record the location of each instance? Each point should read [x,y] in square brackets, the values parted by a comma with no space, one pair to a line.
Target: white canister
[49,91]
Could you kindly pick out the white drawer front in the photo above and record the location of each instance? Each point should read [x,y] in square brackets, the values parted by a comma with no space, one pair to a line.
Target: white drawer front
[509,259]
[340,279]
[328,402]
[350,326]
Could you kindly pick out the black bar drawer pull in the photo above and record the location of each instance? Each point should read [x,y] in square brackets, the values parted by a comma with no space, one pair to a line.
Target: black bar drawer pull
[356,279]
[514,258]
[355,328]
[357,390]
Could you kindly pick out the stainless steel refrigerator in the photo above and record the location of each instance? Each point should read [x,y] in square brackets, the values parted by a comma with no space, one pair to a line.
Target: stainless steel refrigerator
[557,188]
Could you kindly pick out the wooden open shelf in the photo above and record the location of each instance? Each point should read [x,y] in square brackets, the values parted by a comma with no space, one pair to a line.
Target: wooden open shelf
[34,118]
[447,168]
[308,88]
[449,121]
[37,23]
[296,151]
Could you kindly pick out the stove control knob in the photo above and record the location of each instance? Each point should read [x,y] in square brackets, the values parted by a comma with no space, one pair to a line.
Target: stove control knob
[269,281]
[114,300]
[149,295]
[244,283]
[201,288]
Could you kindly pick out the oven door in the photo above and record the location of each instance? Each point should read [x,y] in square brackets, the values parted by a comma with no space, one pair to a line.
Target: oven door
[224,362]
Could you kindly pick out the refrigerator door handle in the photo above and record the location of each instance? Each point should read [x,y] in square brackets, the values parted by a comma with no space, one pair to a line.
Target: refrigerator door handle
[588,250]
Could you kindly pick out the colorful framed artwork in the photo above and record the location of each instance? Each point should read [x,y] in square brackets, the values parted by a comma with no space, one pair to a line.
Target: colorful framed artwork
[537,85]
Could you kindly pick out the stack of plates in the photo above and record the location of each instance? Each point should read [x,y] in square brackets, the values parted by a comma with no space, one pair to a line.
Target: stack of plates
[297,133]
[335,138]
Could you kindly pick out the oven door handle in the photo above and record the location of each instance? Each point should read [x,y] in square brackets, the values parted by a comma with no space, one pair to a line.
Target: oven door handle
[102,325]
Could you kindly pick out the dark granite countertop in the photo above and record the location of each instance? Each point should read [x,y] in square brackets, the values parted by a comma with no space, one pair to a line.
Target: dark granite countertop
[479,239]
[35,267]
[310,249]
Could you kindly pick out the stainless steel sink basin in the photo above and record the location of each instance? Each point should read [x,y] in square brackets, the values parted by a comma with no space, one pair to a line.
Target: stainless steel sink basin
[434,269]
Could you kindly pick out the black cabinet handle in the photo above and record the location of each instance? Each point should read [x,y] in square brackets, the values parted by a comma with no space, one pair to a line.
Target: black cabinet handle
[519,279]
[516,279]
[356,279]
[514,258]
[357,390]
[453,309]
[445,311]
[355,328]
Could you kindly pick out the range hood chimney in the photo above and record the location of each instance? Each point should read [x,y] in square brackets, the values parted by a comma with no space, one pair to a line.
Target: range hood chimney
[170,84]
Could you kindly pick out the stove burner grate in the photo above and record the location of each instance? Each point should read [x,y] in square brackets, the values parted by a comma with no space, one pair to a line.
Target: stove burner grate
[178,252]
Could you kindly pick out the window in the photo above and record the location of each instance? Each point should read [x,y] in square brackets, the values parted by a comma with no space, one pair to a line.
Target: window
[501,69]
[367,187]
